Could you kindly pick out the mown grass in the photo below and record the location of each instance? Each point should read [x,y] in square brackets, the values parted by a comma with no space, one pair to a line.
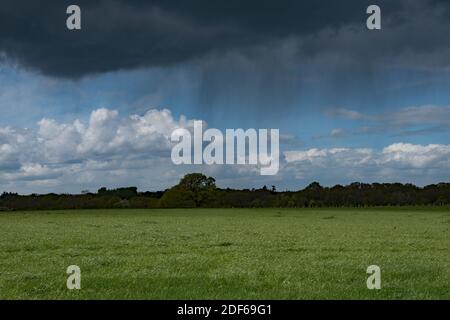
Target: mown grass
[226,253]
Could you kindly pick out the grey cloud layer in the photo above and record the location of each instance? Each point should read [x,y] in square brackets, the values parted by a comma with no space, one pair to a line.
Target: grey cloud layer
[413,120]
[131,34]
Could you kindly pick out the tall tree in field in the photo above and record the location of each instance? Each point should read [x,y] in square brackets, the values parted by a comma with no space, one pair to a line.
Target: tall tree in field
[193,190]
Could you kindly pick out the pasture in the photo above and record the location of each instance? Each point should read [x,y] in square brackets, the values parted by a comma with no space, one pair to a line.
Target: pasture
[226,253]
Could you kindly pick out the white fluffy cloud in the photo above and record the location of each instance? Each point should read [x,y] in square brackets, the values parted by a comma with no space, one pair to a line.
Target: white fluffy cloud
[417,156]
[110,150]
[106,150]
[400,162]
[107,134]
[404,154]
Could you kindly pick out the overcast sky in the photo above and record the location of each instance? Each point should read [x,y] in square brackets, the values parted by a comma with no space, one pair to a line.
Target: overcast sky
[95,107]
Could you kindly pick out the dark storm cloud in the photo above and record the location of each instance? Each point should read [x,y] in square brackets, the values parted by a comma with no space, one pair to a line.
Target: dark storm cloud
[130,34]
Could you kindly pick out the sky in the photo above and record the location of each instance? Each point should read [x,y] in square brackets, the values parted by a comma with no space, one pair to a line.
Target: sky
[96,107]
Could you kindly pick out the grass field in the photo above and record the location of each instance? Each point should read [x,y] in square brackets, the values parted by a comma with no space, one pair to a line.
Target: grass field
[226,253]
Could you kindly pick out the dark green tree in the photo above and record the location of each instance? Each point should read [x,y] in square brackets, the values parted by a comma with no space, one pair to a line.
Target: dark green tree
[193,190]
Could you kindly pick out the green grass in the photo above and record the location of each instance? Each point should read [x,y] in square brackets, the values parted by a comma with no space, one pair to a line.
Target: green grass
[226,253]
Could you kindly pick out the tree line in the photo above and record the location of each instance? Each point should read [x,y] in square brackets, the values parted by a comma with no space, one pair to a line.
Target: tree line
[196,190]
